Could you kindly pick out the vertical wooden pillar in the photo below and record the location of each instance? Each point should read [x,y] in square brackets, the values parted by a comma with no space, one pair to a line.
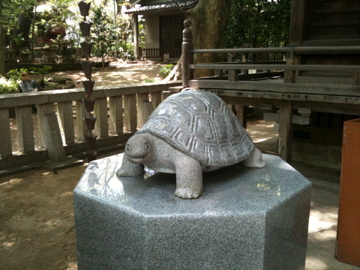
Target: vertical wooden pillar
[116,115]
[155,98]
[348,232]
[136,36]
[50,132]
[66,121]
[130,117]
[144,108]
[241,114]
[186,53]
[100,112]
[25,129]
[5,134]
[80,125]
[285,131]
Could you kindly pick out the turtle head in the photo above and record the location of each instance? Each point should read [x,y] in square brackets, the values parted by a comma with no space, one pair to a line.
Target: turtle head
[138,148]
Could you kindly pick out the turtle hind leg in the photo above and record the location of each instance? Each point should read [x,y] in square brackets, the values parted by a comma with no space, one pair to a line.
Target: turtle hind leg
[254,160]
[130,169]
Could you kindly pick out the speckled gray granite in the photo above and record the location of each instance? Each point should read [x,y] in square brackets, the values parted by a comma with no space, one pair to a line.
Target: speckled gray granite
[246,219]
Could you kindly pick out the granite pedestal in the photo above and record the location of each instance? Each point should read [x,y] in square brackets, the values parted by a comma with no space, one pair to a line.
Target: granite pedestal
[246,219]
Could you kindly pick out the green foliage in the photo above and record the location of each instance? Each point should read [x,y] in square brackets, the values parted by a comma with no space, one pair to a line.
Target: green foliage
[15,74]
[7,86]
[41,71]
[165,70]
[10,10]
[258,23]
[149,80]
[102,33]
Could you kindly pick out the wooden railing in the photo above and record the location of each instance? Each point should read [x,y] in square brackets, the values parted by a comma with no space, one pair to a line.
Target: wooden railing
[173,52]
[286,85]
[292,67]
[57,130]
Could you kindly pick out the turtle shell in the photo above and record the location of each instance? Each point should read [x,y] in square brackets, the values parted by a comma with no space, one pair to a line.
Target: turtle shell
[201,125]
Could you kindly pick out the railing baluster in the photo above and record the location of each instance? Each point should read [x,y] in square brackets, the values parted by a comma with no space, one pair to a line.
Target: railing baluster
[5,135]
[80,125]
[65,114]
[101,114]
[50,131]
[116,115]
[130,114]
[144,108]
[25,129]
[156,98]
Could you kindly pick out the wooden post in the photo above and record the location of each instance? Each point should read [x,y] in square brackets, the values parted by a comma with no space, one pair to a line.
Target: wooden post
[186,53]
[66,121]
[130,116]
[356,78]
[116,115]
[244,59]
[233,75]
[100,112]
[284,147]
[289,76]
[155,98]
[5,136]
[25,129]
[136,36]
[51,136]
[80,125]
[144,108]
[241,114]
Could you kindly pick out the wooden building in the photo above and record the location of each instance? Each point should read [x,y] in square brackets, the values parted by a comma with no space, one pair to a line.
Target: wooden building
[163,27]
[311,93]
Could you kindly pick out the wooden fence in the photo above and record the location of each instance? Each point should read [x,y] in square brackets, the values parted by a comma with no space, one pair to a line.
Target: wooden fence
[57,130]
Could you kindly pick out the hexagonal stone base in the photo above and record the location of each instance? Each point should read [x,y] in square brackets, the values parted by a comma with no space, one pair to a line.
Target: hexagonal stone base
[246,219]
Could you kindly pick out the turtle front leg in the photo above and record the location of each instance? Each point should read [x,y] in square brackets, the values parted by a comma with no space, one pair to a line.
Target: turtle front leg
[130,169]
[189,181]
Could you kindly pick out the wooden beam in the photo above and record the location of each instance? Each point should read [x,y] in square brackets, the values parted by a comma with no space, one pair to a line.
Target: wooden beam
[284,147]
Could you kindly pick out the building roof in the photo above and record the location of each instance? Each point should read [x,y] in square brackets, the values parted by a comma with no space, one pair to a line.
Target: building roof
[161,7]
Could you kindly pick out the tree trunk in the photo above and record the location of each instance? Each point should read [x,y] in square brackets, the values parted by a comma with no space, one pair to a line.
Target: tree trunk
[2,43]
[24,24]
[209,18]
[2,50]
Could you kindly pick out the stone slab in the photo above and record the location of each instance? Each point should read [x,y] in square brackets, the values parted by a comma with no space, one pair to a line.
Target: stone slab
[246,219]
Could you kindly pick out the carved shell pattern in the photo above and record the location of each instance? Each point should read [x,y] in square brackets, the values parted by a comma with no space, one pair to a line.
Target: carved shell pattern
[201,125]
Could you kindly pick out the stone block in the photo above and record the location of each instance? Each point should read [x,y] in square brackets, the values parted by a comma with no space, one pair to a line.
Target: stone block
[246,219]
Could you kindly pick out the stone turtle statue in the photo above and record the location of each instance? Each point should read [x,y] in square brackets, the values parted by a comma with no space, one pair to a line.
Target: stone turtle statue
[189,133]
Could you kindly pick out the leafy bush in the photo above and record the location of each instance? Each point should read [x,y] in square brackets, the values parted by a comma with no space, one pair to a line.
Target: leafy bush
[7,86]
[165,70]
[15,74]
[149,80]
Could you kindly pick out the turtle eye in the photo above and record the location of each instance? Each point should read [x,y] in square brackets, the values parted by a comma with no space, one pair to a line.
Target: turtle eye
[127,147]
[147,145]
